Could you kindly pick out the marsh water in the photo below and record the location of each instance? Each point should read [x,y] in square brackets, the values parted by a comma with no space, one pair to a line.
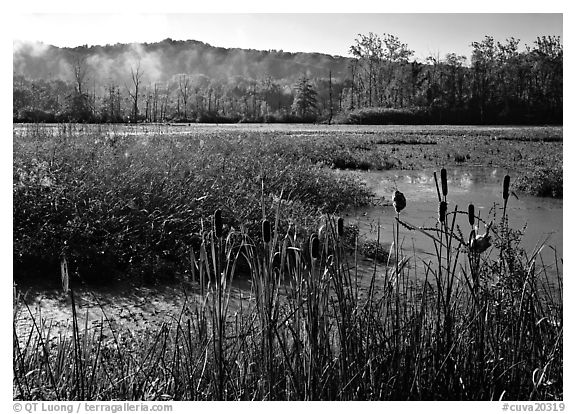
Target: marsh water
[481,186]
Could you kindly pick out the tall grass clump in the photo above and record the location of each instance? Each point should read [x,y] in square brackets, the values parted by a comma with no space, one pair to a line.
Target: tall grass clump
[126,207]
[483,322]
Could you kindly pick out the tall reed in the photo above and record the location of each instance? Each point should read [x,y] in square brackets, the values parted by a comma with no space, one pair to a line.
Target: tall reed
[311,327]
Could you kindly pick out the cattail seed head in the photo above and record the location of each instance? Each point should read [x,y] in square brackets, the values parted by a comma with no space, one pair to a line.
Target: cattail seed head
[444,180]
[314,246]
[218,223]
[471,218]
[340,227]
[442,211]
[266,232]
[399,201]
[506,188]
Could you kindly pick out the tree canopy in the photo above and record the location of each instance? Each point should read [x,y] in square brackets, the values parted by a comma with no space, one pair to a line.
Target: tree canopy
[500,83]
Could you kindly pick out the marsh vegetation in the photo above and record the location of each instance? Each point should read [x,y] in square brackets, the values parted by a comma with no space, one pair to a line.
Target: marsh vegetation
[277,300]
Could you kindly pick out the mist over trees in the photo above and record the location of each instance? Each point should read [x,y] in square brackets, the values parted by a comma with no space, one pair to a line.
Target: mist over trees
[380,83]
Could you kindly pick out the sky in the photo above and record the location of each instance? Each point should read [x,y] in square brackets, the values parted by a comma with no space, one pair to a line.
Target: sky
[426,34]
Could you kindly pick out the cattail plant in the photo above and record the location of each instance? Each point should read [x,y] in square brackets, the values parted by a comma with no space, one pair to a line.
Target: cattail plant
[314,246]
[444,181]
[266,231]
[503,223]
[340,227]
[471,217]
[506,187]
[506,192]
[399,201]
[442,211]
[445,276]
[437,188]
[218,223]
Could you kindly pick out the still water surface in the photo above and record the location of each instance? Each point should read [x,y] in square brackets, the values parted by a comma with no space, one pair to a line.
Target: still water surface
[481,186]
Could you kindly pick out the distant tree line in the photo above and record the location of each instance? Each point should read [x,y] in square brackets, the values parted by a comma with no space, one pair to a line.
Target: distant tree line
[502,84]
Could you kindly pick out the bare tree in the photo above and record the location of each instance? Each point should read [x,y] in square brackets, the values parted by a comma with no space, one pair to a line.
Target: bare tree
[155,99]
[164,102]
[112,102]
[148,116]
[80,105]
[184,89]
[136,77]
[330,97]
[80,70]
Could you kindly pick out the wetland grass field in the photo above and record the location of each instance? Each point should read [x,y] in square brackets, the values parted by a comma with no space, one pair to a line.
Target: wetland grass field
[205,262]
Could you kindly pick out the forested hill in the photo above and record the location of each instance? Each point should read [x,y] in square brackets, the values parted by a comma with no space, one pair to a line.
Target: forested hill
[380,83]
[161,61]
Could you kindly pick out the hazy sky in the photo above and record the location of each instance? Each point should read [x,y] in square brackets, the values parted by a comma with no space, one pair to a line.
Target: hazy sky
[326,33]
